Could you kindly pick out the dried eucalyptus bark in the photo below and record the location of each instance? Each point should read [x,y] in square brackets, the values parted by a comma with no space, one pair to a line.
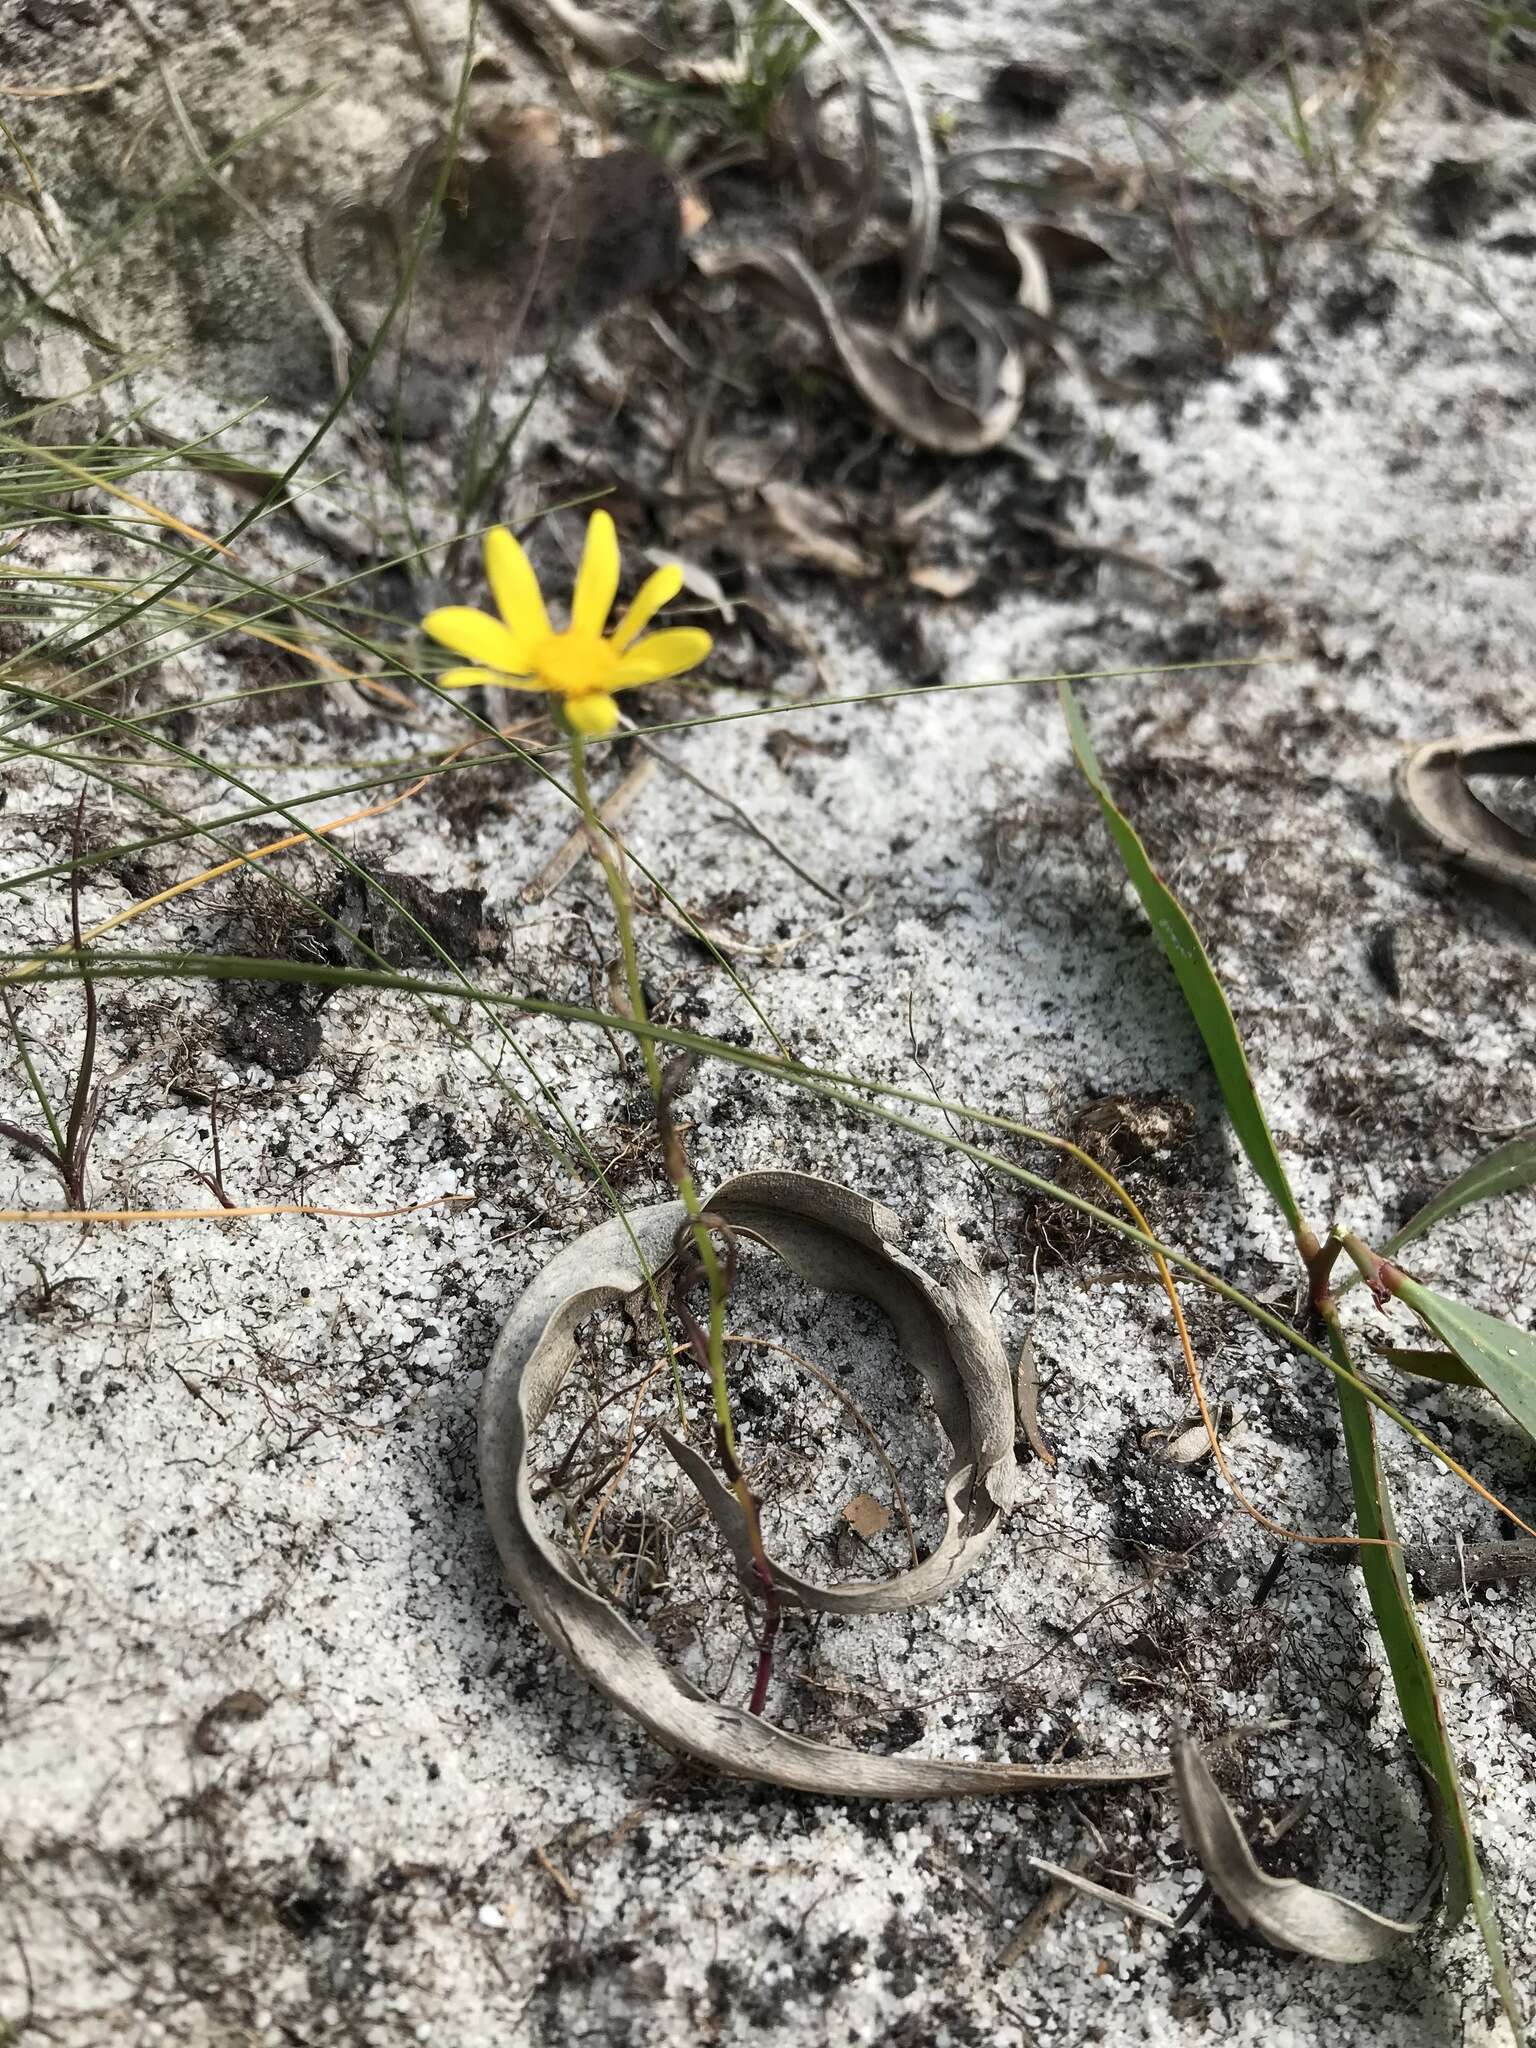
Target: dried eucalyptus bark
[838,1241]
[1434,791]
[1283,1910]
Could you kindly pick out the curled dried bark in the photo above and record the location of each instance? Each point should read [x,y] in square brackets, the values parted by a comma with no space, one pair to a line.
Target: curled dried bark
[843,1243]
[885,371]
[1292,1915]
[1434,792]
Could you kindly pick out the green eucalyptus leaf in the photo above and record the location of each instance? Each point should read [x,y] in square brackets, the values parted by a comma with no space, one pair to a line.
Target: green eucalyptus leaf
[1192,967]
[1500,1357]
[1444,1366]
[1503,1172]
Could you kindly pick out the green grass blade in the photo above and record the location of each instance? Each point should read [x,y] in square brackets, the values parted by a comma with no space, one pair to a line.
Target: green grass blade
[1500,1357]
[1196,977]
[1503,1172]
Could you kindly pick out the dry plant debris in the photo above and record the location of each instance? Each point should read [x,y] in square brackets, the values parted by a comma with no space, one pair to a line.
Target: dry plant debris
[1286,1912]
[835,1240]
[1434,788]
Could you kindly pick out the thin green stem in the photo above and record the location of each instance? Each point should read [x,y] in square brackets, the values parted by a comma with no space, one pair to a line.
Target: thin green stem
[610,859]
[33,1076]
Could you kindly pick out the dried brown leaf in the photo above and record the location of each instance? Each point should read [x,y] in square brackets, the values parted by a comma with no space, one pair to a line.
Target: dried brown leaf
[886,376]
[867,1517]
[1286,1912]
[1433,789]
[840,1242]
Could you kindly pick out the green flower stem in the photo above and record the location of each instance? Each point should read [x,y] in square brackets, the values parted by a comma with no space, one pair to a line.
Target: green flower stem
[687,1188]
[623,904]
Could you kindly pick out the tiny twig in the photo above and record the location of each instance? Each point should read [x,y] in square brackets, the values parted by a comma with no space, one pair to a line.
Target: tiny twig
[1119,1900]
[222,1215]
[214,1182]
[717,796]
[555,1476]
[1081,544]
[557,1877]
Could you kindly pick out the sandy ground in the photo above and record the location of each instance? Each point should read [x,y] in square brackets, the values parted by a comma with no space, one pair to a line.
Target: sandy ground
[282,1760]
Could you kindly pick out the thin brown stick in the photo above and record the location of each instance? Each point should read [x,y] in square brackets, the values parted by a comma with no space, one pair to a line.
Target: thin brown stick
[217,1215]
[60,92]
[557,1877]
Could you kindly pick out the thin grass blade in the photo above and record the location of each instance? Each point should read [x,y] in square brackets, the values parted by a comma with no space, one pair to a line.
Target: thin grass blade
[1418,1694]
[1192,967]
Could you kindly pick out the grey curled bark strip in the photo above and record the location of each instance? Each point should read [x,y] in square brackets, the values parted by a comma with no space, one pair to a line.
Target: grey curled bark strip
[1292,1915]
[838,1241]
[1434,792]
[885,376]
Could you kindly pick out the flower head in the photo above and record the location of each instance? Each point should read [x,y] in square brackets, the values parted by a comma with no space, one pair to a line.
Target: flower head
[584,665]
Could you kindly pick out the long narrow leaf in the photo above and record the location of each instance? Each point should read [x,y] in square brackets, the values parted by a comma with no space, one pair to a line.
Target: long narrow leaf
[1502,1172]
[1418,1694]
[1381,1560]
[1499,1357]
[1443,1366]
[1196,977]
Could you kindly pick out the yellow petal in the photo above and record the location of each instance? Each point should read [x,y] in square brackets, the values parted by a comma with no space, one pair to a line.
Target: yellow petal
[592,713]
[484,678]
[662,654]
[515,588]
[659,588]
[476,635]
[597,580]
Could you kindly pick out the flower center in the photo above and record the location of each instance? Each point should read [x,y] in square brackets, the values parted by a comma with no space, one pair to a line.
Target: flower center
[574,663]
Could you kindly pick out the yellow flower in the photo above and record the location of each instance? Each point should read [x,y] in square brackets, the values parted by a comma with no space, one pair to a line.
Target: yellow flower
[582,666]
